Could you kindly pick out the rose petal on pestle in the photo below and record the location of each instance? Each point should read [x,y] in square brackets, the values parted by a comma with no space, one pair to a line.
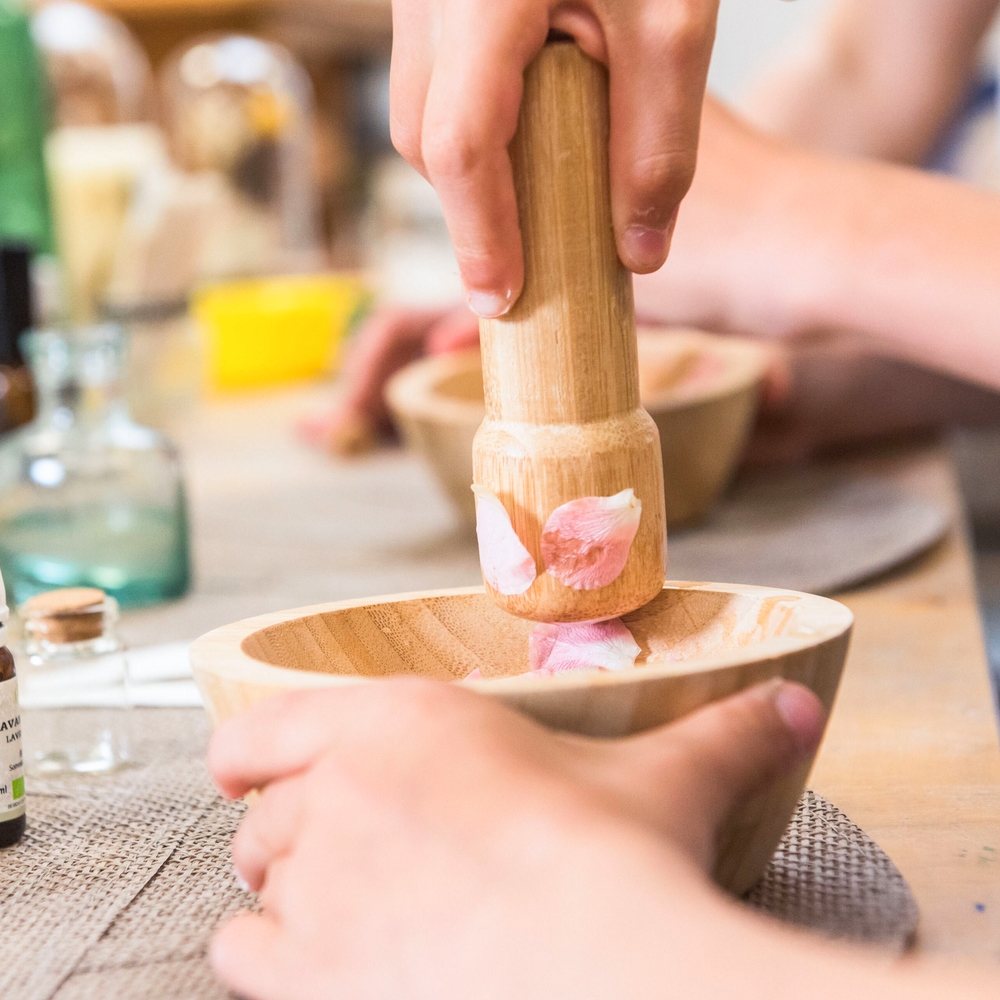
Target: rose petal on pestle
[507,565]
[607,645]
[585,543]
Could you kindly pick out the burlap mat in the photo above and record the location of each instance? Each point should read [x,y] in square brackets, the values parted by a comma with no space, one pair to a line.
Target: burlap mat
[120,881]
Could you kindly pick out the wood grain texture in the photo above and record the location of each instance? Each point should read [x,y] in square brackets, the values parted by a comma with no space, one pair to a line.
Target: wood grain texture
[699,642]
[701,390]
[560,371]
[911,754]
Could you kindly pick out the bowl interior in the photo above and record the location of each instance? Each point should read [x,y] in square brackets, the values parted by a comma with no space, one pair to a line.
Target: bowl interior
[464,385]
[447,635]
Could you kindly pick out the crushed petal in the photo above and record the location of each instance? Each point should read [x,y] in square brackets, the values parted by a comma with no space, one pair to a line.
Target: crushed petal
[586,542]
[475,675]
[607,645]
[507,565]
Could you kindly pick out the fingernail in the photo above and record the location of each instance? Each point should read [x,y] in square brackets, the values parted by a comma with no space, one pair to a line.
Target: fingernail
[801,712]
[488,305]
[645,248]
[240,880]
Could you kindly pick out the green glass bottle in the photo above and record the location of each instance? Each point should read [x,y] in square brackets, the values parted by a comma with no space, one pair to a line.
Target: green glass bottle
[89,498]
[24,196]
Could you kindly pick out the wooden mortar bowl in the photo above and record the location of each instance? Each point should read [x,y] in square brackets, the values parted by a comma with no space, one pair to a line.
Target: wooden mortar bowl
[702,390]
[700,642]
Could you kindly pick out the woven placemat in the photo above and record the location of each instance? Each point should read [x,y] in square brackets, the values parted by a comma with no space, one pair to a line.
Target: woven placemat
[820,530]
[119,883]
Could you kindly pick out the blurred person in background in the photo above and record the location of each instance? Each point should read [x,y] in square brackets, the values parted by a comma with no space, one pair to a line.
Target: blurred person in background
[882,80]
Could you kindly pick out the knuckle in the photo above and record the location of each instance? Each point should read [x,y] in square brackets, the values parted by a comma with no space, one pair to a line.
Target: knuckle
[405,140]
[274,889]
[685,33]
[417,701]
[450,152]
[660,178]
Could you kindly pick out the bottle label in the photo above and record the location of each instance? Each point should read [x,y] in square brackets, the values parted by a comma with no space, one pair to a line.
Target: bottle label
[11,762]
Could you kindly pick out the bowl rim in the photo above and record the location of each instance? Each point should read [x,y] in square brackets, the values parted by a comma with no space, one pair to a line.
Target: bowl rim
[220,652]
[410,392]
[747,362]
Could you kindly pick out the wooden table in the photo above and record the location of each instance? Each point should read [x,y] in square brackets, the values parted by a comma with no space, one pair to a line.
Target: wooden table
[911,754]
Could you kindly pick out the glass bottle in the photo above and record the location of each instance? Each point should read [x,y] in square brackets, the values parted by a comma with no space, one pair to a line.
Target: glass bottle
[88,498]
[98,72]
[11,763]
[24,197]
[76,665]
[244,109]
[17,394]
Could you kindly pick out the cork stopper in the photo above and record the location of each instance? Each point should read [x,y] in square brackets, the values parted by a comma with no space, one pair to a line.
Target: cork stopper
[75,614]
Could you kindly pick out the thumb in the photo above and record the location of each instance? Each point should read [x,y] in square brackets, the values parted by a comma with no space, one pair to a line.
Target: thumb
[688,777]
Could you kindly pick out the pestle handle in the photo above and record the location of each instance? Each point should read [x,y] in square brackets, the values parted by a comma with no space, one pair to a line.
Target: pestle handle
[566,352]
[567,463]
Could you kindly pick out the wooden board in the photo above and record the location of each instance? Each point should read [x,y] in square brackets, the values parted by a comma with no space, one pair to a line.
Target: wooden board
[911,754]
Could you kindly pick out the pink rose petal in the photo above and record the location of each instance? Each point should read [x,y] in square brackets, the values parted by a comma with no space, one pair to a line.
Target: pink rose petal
[607,645]
[585,543]
[475,675]
[507,565]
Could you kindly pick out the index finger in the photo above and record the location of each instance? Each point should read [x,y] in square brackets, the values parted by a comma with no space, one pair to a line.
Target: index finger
[469,121]
[284,734]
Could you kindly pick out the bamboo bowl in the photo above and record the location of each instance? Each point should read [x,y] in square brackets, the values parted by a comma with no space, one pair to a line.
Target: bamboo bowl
[701,390]
[700,642]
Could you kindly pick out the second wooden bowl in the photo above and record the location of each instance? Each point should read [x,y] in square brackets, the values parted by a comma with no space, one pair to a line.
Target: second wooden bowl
[701,390]
[699,641]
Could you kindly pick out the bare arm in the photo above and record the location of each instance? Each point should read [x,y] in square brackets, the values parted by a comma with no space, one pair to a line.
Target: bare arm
[795,243]
[880,79]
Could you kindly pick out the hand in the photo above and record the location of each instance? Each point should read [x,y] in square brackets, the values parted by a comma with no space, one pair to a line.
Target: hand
[417,840]
[836,392]
[747,240]
[388,340]
[456,82]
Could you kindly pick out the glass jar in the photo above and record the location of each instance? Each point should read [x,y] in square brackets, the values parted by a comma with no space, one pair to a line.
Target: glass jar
[75,681]
[88,497]
[243,108]
[98,73]
[165,367]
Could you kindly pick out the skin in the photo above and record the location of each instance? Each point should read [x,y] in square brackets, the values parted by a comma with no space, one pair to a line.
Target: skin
[456,84]
[881,78]
[415,840]
[796,244]
[854,267]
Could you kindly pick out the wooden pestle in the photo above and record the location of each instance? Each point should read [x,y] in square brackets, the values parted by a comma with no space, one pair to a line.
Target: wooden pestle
[560,370]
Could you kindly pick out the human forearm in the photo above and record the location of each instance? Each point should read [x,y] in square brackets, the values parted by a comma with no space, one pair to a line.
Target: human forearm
[911,262]
[879,78]
[776,241]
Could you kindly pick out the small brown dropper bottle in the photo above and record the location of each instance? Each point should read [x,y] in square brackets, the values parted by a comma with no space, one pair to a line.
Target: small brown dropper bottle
[17,392]
[11,764]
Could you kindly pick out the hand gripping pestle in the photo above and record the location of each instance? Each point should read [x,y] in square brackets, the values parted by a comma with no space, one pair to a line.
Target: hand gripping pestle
[567,465]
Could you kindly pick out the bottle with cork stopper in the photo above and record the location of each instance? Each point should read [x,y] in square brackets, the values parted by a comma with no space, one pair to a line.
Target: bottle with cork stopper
[12,812]
[76,664]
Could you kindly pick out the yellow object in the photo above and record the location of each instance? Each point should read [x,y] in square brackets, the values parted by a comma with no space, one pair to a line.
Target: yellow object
[272,330]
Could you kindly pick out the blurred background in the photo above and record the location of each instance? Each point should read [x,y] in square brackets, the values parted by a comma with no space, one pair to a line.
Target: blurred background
[199,202]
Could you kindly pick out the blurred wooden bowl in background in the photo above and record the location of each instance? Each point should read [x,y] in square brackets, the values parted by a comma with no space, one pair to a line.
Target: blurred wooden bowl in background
[701,390]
